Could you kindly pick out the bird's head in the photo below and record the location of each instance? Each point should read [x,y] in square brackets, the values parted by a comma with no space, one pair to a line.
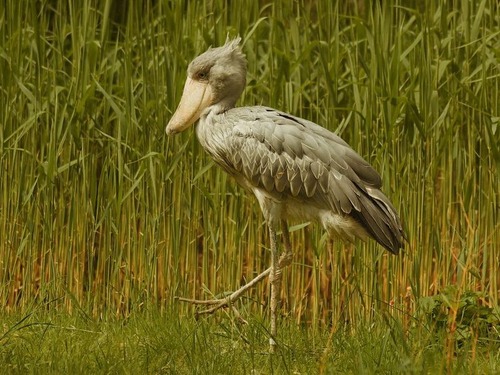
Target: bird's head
[216,77]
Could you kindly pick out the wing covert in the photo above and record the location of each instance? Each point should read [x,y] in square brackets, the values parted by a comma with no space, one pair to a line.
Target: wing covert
[288,156]
[292,158]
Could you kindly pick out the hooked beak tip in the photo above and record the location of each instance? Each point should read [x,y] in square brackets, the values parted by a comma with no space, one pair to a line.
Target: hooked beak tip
[170,131]
[175,126]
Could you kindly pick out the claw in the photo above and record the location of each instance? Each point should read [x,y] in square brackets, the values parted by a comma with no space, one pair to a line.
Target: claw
[223,302]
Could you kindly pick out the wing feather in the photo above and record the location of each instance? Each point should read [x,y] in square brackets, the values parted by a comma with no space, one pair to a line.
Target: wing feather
[290,157]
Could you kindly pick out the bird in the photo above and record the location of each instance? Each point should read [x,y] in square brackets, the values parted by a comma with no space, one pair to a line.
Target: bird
[297,170]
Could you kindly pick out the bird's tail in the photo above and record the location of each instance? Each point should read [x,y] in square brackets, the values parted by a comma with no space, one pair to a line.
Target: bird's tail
[380,219]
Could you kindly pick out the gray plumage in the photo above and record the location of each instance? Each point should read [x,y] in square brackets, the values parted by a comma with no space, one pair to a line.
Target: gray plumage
[295,168]
[296,163]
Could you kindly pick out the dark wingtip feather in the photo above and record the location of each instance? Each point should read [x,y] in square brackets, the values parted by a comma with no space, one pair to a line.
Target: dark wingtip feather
[381,221]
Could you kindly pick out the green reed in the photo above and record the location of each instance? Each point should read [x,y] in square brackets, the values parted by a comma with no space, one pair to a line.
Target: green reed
[100,212]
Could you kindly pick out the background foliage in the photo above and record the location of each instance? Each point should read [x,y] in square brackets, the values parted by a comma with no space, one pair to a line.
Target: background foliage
[101,213]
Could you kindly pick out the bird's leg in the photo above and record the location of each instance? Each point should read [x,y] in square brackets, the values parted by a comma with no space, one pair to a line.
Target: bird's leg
[226,301]
[277,265]
[286,257]
[274,272]
[275,281]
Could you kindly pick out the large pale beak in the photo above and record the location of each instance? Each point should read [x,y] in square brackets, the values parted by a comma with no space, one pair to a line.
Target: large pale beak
[195,98]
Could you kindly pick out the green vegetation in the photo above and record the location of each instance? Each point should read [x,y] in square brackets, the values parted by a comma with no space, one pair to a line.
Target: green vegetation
[104,220]
[149,342]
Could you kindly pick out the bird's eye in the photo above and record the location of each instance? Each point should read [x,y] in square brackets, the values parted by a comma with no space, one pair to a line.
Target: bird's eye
[202,76]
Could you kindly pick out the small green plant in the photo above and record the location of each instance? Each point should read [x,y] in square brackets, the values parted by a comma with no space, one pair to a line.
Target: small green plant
[462,316]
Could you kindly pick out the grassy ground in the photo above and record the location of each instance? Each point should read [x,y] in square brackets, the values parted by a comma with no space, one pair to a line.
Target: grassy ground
[44,343]
[103,217]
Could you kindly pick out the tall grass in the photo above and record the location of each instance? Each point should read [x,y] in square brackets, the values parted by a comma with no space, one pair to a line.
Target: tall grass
[101,213]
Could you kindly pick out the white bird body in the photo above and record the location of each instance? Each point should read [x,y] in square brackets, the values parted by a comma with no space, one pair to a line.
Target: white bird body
[300,171]
[297,169]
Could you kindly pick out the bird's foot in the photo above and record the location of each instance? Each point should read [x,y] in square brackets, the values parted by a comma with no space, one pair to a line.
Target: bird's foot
[219,303]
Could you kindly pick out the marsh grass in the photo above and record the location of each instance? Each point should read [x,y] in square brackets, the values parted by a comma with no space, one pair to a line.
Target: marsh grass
[102,215]
[42,342]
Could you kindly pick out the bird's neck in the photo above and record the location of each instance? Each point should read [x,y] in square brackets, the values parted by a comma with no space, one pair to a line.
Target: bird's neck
[208,124]
[208,116]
